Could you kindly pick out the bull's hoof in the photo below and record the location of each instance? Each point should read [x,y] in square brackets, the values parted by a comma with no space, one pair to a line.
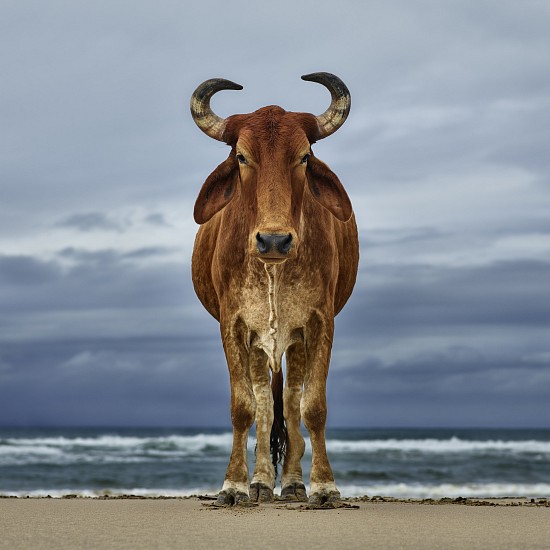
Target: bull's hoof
[295,492]
[230,497]
[259,492]
[324,497]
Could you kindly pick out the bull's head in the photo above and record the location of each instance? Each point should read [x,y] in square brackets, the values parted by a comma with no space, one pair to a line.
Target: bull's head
[270,166]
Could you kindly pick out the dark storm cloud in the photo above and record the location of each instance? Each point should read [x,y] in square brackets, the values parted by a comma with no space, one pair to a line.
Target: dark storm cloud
[451,384]
[404,295]
[23,271]
[409,296]
[490,356]
[92,281]
[184,374]
[145,381]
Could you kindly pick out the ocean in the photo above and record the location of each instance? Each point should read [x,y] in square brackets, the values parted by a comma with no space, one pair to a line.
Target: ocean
[404,463]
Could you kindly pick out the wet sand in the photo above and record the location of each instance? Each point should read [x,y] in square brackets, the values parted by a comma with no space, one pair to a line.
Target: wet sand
[192,523]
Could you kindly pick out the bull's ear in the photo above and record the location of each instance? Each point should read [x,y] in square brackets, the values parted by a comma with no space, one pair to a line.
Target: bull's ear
[327,189]
[217,190]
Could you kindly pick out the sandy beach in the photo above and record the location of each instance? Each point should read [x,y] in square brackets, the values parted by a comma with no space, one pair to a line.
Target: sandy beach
[192,523]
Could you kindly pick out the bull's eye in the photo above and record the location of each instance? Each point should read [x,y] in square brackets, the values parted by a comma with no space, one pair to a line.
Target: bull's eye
[305,158]
[241,159]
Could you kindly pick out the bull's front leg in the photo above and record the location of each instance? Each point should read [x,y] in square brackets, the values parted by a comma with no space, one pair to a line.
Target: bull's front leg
[292,484]
[243,410]
[263,480]
[319,334]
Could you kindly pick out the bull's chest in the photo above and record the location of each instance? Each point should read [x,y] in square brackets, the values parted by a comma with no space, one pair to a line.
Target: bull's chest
[274,309]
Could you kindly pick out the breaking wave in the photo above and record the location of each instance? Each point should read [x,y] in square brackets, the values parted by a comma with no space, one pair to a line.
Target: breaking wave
[177,463]
[130,449]
[451,445]
[111,448]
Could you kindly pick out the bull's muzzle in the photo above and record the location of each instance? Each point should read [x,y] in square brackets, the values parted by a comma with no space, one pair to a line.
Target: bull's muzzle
[273,245]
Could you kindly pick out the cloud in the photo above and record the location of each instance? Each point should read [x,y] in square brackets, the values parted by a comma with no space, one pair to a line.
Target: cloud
[91,221]
[97,221]
[24,271]
[402,235]
[441,387]
[542,358]
[137,381]
[111,255]
[157,218]
[418,297]
[148,252]
[96,295]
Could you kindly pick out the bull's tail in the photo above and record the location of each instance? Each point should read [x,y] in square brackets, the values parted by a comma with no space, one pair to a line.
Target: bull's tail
[278,430]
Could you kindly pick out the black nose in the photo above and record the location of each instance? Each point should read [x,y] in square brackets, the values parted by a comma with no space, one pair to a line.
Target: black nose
[272,242]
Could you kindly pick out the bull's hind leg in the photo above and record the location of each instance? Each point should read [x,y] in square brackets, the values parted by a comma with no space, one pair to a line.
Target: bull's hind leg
[243,410]
[292,484]
[263,480]
[314,408]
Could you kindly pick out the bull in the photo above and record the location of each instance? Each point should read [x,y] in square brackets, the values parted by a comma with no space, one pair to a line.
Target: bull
[274,260]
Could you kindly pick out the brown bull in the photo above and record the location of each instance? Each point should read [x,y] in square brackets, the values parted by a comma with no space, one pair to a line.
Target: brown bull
[275,259]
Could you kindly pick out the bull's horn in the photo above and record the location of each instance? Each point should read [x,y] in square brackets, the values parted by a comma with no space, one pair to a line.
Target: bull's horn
[340,104]
[208,121]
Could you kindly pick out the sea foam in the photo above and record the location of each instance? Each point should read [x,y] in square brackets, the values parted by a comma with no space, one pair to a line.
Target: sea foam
[396,490]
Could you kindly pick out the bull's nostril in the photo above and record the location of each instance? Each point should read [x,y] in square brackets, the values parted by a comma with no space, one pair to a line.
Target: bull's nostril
[284,245]
[261,244]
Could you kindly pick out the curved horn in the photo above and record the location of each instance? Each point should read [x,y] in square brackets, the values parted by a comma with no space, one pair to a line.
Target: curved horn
[208,121]
[340,104]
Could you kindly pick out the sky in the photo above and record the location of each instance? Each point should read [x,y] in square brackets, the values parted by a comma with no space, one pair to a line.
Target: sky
[445,156]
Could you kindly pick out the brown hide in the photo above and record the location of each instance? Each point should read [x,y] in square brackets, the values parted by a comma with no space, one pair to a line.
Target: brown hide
[272,184]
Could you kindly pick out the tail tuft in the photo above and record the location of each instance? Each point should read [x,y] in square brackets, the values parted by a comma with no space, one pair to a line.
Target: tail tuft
[278,430]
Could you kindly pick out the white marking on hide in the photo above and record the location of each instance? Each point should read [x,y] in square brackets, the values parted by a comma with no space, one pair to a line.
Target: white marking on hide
[270,346]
